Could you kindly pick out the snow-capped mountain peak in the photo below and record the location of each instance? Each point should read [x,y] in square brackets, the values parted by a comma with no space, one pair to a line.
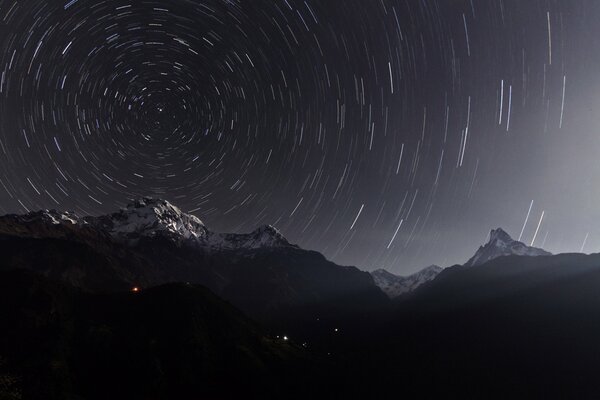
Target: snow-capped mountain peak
[266,236]
[144,218]
[499,236]
[500,244]
[394,285]
[431,270]
[55,217]
[149,217]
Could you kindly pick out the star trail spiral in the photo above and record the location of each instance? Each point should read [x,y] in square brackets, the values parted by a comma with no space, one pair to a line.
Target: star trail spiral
[384,133]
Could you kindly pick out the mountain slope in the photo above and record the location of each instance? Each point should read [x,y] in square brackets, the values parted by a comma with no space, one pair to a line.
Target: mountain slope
[151,242]
[174,340]
[394,285]
[515,327]
[501,244]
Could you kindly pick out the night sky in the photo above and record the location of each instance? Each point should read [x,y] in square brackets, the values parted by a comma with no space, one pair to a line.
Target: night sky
[383,133]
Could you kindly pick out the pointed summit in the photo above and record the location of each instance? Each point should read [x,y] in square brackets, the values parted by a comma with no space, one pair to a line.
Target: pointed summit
[144,218]
[500,235]
[501,244]
[268,233]
[150,217]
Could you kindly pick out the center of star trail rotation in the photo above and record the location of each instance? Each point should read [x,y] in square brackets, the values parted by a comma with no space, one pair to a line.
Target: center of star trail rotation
[382,133]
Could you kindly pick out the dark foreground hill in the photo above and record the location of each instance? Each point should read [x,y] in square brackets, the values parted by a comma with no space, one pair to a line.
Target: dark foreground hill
[173,341]
[526,327]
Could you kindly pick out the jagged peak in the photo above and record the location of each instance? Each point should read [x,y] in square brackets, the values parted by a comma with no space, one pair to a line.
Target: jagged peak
[265,236]
[395,285]
[500,244]
[430,269]
[382,272]
[53,216]
[500,235]
[148,216]
[146,201]
[433,267]
[269,230]
[156,205]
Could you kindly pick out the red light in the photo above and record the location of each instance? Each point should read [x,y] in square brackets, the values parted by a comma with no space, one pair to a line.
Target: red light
[135,289]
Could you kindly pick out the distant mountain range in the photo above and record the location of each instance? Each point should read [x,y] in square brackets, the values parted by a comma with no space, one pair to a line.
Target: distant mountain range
[148,302]
[500,244]
[394,285]
[152,242]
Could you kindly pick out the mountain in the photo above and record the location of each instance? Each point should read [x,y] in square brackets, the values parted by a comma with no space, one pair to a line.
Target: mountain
[501,244]
[142,219]
[174,340]
[152,242]
[394,285]
[515,327]
[148,217]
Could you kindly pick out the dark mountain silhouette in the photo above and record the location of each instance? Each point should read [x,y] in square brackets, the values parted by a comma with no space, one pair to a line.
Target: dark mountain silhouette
[172,341]
[514,322]
[516,326]
[152,242]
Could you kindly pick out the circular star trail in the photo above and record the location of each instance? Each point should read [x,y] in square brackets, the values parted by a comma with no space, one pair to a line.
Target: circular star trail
[384,133]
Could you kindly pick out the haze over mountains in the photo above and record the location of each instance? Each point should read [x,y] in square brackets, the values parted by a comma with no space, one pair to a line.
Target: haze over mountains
[151,285]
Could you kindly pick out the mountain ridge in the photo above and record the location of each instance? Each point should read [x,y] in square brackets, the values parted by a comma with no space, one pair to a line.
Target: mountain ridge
[146,217]
[395,285]
[151,242]
[501,244]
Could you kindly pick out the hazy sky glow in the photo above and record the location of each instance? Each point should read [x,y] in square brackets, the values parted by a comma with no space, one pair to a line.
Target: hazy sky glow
[383,133]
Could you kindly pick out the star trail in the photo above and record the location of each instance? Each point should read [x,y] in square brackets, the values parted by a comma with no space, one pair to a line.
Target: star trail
[383,133]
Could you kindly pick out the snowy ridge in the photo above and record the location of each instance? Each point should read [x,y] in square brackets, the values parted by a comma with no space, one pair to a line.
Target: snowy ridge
[41,224]
[149,217]
[394,285]
[263,237]
[144,218]
[55,217]
[501,244]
